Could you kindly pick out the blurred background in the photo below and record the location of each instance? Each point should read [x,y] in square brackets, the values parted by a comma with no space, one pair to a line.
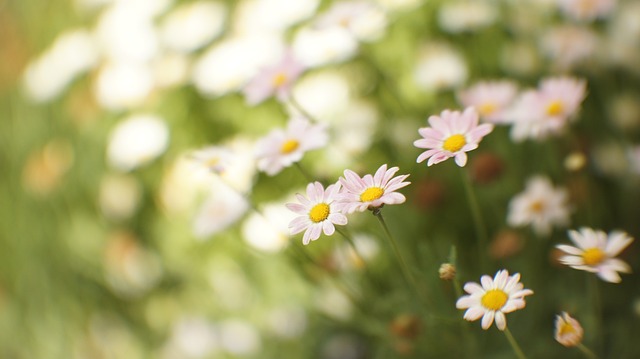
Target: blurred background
[115,242]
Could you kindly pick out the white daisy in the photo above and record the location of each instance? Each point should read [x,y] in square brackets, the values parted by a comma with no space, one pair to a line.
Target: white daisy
[540,205]
[319,213]
[371,192]
[595,253]
[281,148]
[496,297]
[214,158]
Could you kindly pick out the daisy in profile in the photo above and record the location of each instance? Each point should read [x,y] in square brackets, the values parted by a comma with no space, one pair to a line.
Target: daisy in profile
[539,113]
[452,134]
[283,147]
[595,252]
[275,80]
[493,299]
[319,212]
[568,330]
[540,205]
[491,99]
[371,192]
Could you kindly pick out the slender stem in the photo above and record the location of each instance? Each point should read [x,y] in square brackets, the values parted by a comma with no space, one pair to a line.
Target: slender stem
[481,230]
[352,244]
[403,264]
[587,352]
[597,311]
[514,344]
[304,172]
[299,107]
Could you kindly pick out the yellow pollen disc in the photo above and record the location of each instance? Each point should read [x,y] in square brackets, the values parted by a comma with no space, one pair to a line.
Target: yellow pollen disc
[279,79]
[566,328]
[454,143]
[537,206]
[555,108]
[319,212]
[487,108]
[371,194]
[212,162]
[494,299]
[593,256]
[289,146]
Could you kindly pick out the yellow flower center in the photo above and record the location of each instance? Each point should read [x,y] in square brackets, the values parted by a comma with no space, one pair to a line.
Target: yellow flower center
[566,328]
[593,256]
[289,146]
[454,143]
[213,161]
[487,108]
[371,194]
[537,206]
[279,79]
[494,299]
[555,108]
[319,212]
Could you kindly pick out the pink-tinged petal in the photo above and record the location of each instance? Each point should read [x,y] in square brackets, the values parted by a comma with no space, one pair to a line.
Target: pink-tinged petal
[617,265]
[487,319]
[473,288]
[572,260]
[439,125]
[319,192]
[305,202]
[501,321]
[487,282]
[469,147]
[438,157]
[426,154]
[465,302]
[353,178]
[609,276]
[430,133]
[311,192]
[306,238]
[328,228]
[379,175]
[297,208]
[617,242]
[316,230]
[570,249]
[338,218]
[389,175]
[473,313]
[396,186]
[427,143]
[393,198]
[522,293]
[461,159]
[479,132]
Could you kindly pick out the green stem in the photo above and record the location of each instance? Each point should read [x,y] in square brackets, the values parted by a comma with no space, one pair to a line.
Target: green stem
[481,230]
[297,106]
[586,351]
[597,310]
[304,172]
[514,344]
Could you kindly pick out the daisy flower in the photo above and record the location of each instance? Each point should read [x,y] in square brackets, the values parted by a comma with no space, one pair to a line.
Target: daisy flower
[568,330]
[276,79]
[281,148]
[490,98]
[595,253]
[496,297]
[319,213]
[214,158]
[539,113]
[540,205]
[370,192]
[451,134]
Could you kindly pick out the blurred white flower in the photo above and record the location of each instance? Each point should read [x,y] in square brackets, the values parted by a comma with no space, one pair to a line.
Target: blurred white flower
[228,65]
[333,303]
[221,209]
[568,45]
[170,69]
[324,94]
[364,20]
[439,67]
[366,248]
[540,205]
[459,16]
[268,230]
[194,337]
[213,158]
[281,148]
[587,9]
[491,99]
[137,140]
[119,196]
[568,331]
[72,53]
[318,47]
[276,16]
[191,26]
[239,337]
[123,85]
[276,79]
[287,321]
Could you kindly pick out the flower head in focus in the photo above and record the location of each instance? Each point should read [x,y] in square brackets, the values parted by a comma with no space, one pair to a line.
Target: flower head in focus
[370,192]
[283,147]
[540,205]
[318,213]
[539,113]
[493,299]
[595,252]
[490,98]
[274,80]
[569,332]
[451,134]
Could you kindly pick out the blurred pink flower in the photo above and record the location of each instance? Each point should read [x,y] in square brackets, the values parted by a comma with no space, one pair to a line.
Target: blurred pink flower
[370,192]
[538,113]
[319,213]
[281,148]
[496,297]
[451,134]
[595,253]
[587,9]
[277,79]
[490,98]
